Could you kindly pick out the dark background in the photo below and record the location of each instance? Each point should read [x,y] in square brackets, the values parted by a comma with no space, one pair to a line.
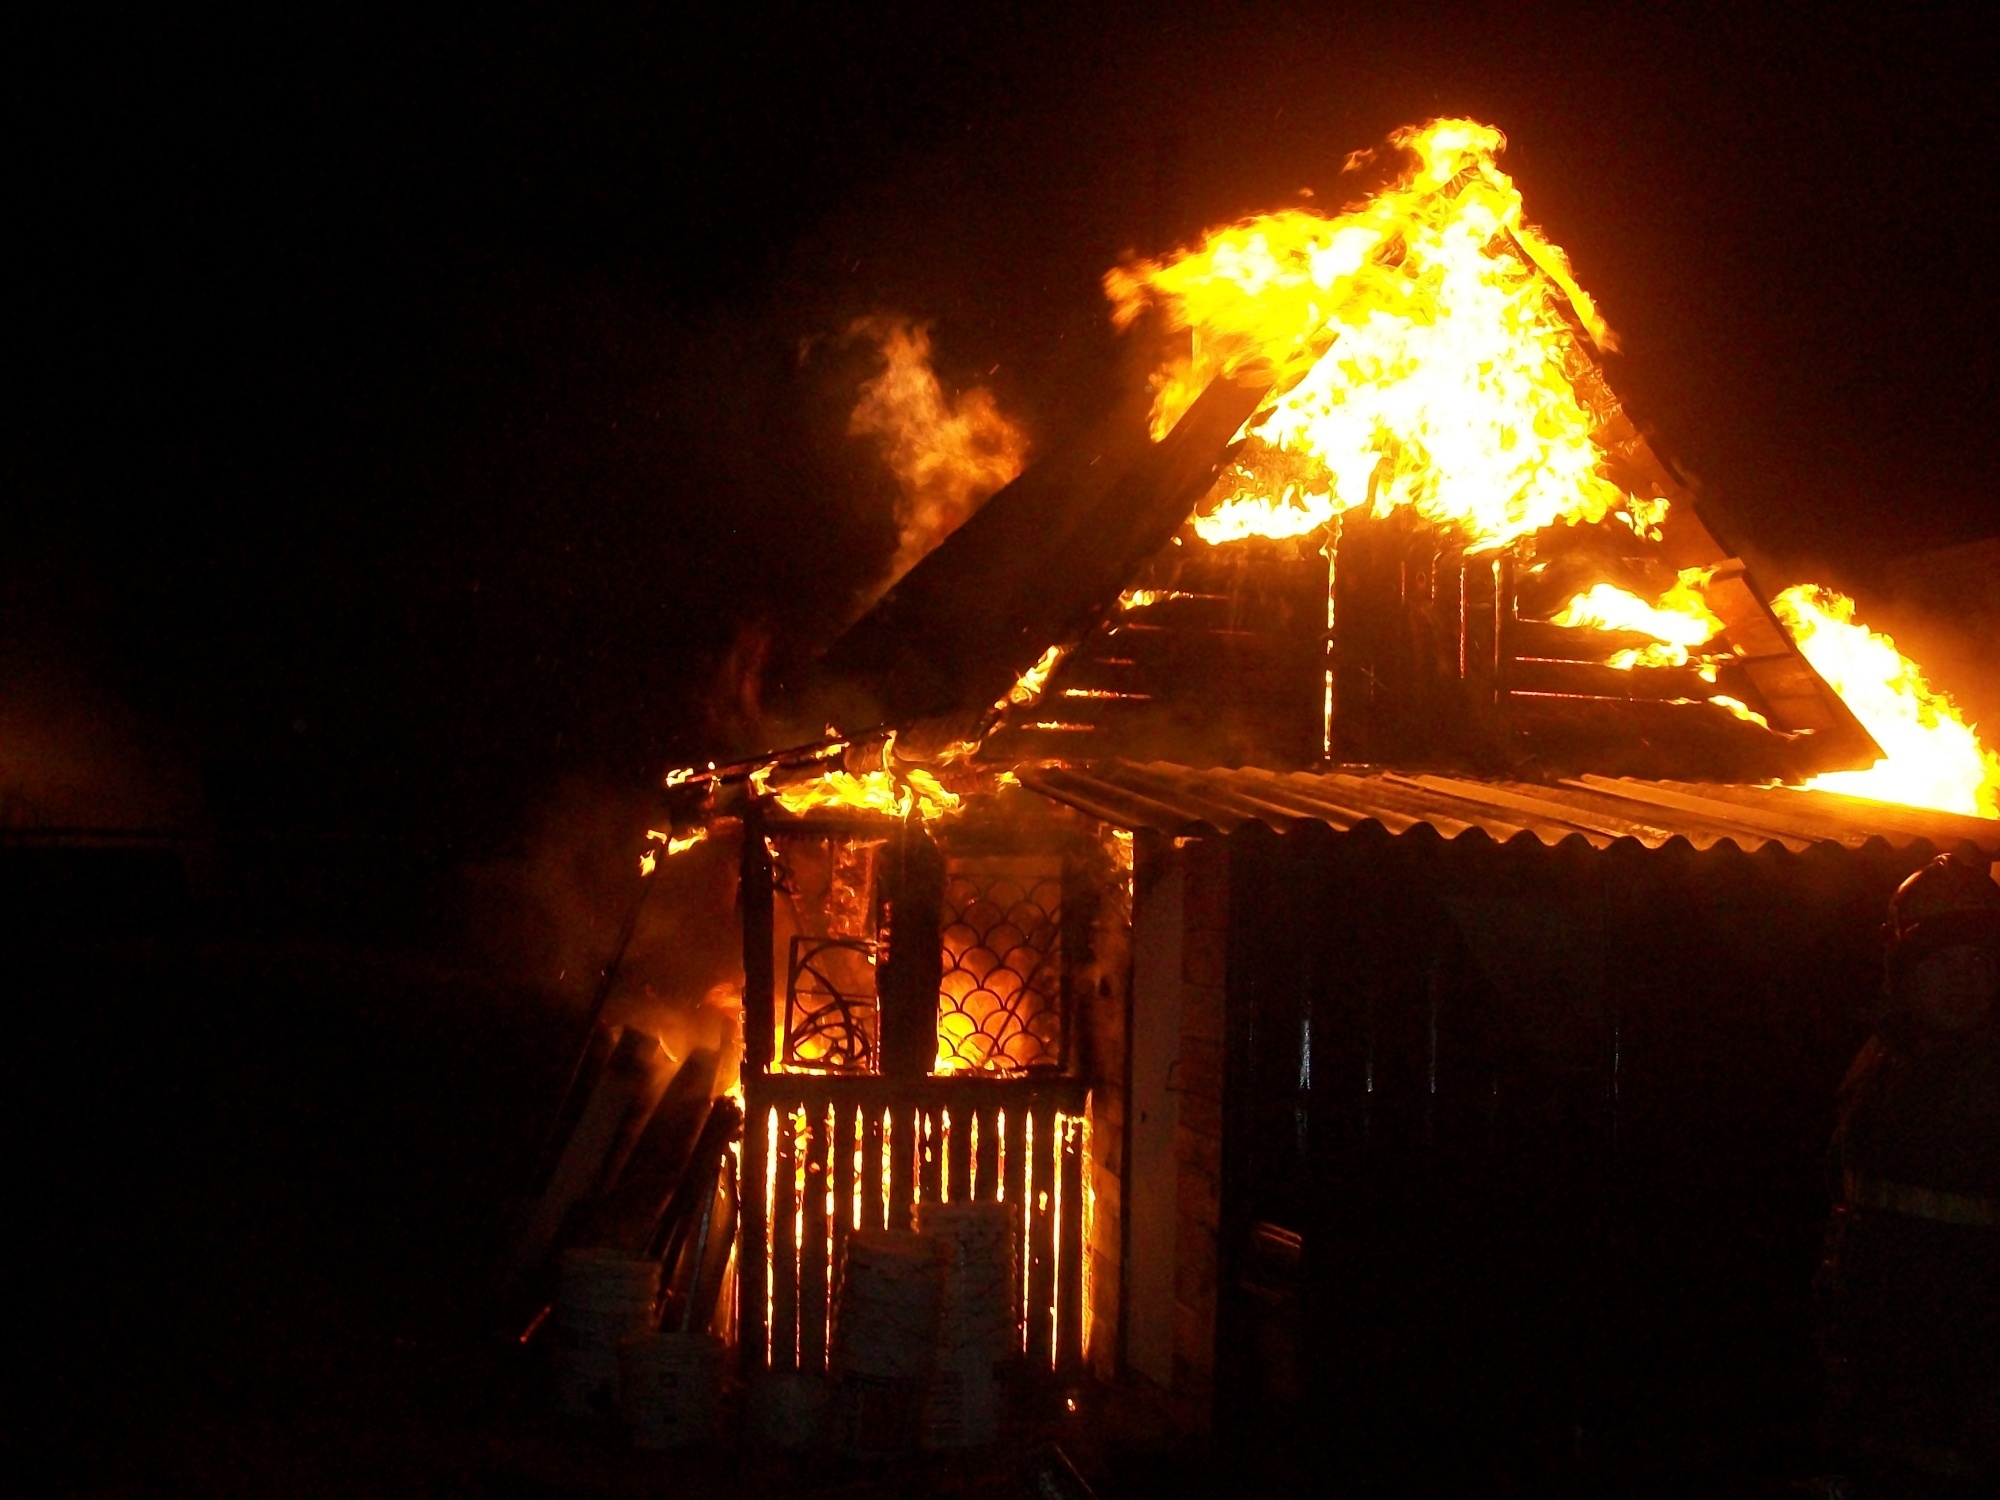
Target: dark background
[409,414]
[413,425]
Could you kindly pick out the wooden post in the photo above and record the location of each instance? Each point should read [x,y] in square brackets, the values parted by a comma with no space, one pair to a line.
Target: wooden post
[912,953]
[760,1023]
[754,900]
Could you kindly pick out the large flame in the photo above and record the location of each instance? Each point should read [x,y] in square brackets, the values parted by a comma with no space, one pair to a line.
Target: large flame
[1931,756]
[1425,344]
[947,453]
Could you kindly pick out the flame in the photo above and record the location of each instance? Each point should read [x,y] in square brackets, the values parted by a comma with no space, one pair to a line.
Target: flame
[947,454]
[1425,345]
[1738,708]
[770,1218]
[1062,1138]
[1246,513]
[1133,599]
[872,791]
[1028,687]
[1679,620]
[1932,757]
[649,859]
[888,1147]
[1088,1289]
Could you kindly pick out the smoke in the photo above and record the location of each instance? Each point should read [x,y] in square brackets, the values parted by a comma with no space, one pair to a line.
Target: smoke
[948,453]
[551,915]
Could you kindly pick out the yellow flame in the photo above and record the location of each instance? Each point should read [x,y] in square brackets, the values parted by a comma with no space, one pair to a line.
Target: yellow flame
[1740,709]
[1133,599]
[770,1218]
[1931,756]
[1028,687]
[1062,1138]
[872,791]
[1248,513]
[1089,1268]
[948,454]
[1679,619]
[888,1148]
[1426,350]
[671,845]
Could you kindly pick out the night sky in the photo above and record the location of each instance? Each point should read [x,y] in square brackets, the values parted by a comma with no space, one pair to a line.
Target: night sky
[409,416]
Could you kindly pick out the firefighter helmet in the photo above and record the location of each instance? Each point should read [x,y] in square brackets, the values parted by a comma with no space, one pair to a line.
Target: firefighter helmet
[1951,902]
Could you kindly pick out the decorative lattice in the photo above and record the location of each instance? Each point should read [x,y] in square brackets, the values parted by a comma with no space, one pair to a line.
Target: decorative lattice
[1000,1001]
[830,1012]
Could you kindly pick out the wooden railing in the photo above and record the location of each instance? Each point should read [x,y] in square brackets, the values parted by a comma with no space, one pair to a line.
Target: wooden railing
[823,1153]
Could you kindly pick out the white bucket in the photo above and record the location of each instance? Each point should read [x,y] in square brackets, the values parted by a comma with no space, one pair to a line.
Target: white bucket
[602,1298]
[976,1310]
[668,1388]
[886,1317]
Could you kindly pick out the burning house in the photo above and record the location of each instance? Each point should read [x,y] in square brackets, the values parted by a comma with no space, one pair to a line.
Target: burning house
[1308,846]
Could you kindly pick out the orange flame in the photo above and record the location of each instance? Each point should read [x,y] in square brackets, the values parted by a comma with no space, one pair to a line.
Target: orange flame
[1931,756]
[1679,620]
[1028,687]
[649,859]
[1426,345]
[1737,708]
[896,793]
[948,454]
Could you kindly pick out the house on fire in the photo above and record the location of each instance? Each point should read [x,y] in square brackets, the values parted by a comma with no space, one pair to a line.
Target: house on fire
[1369,987]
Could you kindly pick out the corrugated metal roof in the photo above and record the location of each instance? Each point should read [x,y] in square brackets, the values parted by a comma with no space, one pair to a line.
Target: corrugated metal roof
[1187,802]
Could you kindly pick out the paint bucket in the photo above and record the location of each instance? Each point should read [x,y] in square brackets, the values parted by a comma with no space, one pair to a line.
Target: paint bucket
[976,1325]
[976,1306]
[886,1315]
[603,1297]
[668,1388]
[885,1337]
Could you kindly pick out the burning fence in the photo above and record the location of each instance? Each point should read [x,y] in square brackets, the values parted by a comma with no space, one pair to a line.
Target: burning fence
[1378,546]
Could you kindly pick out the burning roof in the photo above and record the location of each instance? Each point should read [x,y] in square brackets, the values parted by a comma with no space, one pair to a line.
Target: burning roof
[1379,505]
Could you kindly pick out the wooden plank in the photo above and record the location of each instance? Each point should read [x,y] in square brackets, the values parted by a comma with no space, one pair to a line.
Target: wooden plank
[1013,1179]
[1679,685]
[874,1203]
[1071,1248]
[958,1154]
[750,1271]
[1040,1248]
[815,1266]
[785,1247]
[846,1148]
[985,1146]
[902,1143]
[930,1159]
[756,900]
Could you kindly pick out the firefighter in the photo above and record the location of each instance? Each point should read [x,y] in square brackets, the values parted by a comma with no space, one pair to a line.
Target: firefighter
[1910,1285]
